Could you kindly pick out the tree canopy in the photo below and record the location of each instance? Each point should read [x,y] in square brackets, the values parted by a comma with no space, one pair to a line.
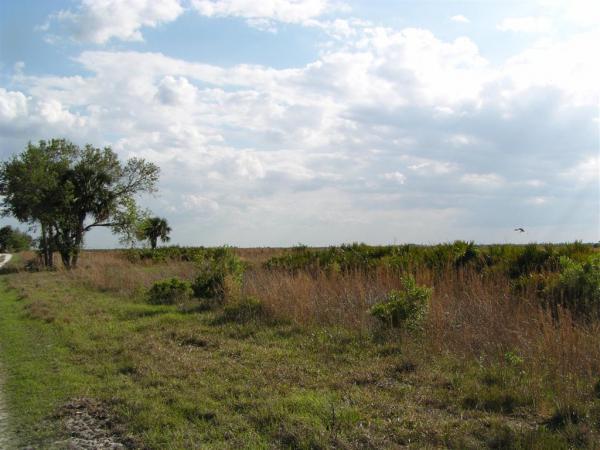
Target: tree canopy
[68,190]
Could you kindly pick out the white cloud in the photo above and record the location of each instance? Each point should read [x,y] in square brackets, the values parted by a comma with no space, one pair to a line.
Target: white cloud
[13,104]
[397,177]
[98,21]
[175,91]
[261,13]
[564,64]
[199,204]
[459,140]
[284,151]
[432,167]
[526,24]
[490,180]
[52,111]
[537,201]
[582,13]
[584,172]
[459,18]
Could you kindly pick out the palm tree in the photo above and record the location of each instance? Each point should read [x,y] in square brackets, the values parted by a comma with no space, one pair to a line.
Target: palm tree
[154,228]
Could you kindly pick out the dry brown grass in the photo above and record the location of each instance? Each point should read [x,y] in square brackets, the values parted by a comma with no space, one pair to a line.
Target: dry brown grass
[470,316]
[321,299]
[112,272]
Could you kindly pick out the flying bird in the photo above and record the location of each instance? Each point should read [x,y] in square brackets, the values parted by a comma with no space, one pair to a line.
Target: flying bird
[520,230]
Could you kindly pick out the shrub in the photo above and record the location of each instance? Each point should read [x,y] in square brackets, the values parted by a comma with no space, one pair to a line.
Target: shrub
[243,310]
[220,275]
[578,286]
[169,292]
[404,308]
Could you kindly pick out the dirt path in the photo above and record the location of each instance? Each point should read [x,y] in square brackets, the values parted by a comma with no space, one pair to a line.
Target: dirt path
[4,437]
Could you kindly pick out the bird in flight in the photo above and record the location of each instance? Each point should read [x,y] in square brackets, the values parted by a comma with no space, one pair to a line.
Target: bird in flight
[520,230]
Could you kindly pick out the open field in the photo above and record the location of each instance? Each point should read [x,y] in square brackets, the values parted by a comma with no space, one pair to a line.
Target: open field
[288,355]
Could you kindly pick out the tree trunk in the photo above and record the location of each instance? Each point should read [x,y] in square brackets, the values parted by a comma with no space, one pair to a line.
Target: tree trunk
[153,242]
[46,246]
[66,259]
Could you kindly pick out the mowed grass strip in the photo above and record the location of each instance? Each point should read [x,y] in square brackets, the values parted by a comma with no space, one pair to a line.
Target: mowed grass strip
[192,380]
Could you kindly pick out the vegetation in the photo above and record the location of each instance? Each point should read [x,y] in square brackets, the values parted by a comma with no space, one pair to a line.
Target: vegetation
[219,275]
[313,348]
[68,190]
[169,292]
[13,240]
[404,308]
[153,229]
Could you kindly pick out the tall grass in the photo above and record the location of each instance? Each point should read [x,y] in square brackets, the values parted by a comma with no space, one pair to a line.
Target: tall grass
[112,272]
[475,311]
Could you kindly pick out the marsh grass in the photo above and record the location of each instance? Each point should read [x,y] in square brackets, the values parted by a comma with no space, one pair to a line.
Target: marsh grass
[302,363]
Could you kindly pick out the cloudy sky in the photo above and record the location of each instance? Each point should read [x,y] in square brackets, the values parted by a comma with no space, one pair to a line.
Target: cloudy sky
[276,122]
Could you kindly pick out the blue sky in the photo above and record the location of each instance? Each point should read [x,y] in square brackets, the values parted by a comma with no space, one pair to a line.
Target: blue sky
[324,121]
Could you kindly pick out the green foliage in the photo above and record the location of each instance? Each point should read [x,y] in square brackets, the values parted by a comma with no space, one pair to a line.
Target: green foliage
[220,274]
[578,286]
[174,253]
[243,310]
[169,292]
[153,229]
[13,240]
[513,260]
[405,308]
[513,359]
[69,190]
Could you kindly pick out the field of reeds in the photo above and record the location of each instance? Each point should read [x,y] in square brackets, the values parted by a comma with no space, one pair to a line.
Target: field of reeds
[447,346]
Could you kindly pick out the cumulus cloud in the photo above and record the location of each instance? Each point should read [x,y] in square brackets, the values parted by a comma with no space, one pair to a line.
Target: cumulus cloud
[13,104]
[388,126]
[526,24]
[175,91]
[98,21]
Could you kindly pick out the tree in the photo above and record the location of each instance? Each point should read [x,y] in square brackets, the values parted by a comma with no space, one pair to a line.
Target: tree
[13,240]
[68,190]
[154,228]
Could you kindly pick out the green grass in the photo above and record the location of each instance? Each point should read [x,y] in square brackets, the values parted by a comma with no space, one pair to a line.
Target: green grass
[190,380]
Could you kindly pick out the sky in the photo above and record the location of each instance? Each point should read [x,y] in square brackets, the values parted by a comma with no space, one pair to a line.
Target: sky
[278,122]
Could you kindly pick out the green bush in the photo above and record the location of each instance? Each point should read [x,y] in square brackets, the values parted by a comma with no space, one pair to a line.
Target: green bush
[405,308]
[169,292]
[13,240]
[220,275]
[173,253]
[578,286]
[243,310]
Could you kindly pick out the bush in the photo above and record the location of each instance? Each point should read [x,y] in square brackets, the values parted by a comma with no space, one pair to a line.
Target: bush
[405,308]
[243,310]
[13,240]
[169,292]
[220,275]
[578,286]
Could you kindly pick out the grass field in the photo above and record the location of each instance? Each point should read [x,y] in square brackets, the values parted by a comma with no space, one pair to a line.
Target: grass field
[307,368]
